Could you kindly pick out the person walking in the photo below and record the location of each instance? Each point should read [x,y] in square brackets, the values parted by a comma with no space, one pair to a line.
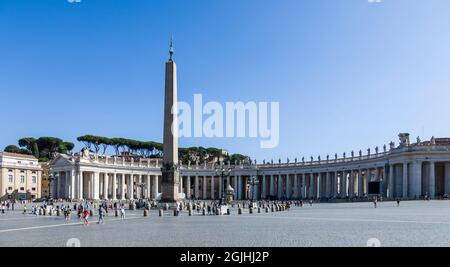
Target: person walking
[101,214]
[398,202]
[375,202]
[85,217]
[24,209]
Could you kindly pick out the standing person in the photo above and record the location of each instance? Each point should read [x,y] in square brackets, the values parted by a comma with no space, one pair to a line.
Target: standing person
[398,202]
[24,209]
[85,217]
[101,214]
[122,212]
[3,208]
[375,202]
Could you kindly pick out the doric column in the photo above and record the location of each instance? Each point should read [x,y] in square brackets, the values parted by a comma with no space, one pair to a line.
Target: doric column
[96,186]
[296,186]
[405,180]
[319,185]
[114,186]
[352,184]
[188,187]
[239,186]
[344,184]
[432,182]
[288,186]
[311,186]
[264,188]
[131,187]
[335,184]
[122,186]
[416,187]
[328,184]
[368,176]
[105,186]
[391,181]
[220,186]
[235,187]
[196,187]
[447,178]
[155,186]
[304,195]
[204,188]
[280,186]
[181,185]
[272,185]
[80,185]
[58,193]
[360,184]
[213,195]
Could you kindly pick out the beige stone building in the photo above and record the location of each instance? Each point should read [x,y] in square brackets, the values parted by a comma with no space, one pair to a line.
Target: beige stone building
[20,176]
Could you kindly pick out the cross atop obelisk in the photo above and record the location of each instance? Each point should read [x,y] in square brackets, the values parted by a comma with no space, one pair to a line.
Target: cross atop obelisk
[170,172]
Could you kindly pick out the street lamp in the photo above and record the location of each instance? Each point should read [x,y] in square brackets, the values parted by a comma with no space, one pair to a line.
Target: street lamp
[224,173]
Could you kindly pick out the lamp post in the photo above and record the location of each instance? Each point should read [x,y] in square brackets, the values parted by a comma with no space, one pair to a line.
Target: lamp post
[224,173]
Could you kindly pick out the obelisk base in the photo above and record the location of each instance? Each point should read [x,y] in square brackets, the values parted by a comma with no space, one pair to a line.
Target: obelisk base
[170,189]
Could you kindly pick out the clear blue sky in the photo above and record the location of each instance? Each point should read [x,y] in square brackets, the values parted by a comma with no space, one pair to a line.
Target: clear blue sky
[348,74]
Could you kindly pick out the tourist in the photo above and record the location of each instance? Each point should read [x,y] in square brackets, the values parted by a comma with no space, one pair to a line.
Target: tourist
[24,209]
[122,212]
[85,217]
[375,202]
[3,208]
[100,214]
[398,202]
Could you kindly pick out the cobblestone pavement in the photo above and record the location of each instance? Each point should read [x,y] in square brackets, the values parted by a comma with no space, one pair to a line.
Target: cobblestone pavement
[414,223]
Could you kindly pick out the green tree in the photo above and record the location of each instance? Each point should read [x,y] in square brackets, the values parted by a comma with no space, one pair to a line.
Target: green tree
[35,150]
[13,149]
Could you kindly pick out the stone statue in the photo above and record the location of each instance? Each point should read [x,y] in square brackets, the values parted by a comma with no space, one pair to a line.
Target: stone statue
[343,155]
[287,160]
[256,162]
[318,158]
[353,154]
[296,160]
[418,140]
[279,161]
[264,161]
[391,145]
[384,148]
[303,159]
[368,151]
[312,159]
[433,141]
[335,155]
[360,153]
[376,150]
[328,157]
[271,161]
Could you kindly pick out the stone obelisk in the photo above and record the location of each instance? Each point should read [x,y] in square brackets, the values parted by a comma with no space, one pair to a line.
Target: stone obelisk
[170,169]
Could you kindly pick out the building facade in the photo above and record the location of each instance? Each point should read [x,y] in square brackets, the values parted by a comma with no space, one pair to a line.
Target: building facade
[20,176]
[405,171]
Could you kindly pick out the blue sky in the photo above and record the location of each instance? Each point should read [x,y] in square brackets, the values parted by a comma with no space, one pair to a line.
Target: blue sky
[348,74]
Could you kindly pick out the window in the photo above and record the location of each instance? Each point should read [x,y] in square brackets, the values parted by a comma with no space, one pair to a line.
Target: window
[19,161]
[10,170]
[33,172]
[22,171]
[22,188]
[10,178]
[22,179]
[10,188]
[33,179]
[33,189]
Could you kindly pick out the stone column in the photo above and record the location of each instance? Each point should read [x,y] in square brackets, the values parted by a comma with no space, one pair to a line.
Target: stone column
[319,185]
[196,187]
[58,193]
[131,187]
[272,185]
[96,186]
[288,186]
[181,186]
[264,188]
[155,186]
[122,186]
[80,184]
[432,180]
[239,186]
[368,176]
[344,184]
[280,186]
[114,186]
[447,178]
[352,184]
[296,186]
[391,181]
[204,188]
[188,187]
[213,195]
[304,195]
[328,184]
[311,186]
[235,187]
[220,186]
[335,184]
[416,187]
[105,186]
[405,180]
[360,184]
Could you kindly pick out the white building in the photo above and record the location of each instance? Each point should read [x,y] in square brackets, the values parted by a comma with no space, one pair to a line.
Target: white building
[407,171]
[20,176]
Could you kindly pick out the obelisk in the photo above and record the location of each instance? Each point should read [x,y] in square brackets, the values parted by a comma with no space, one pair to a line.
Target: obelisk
[170,169]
